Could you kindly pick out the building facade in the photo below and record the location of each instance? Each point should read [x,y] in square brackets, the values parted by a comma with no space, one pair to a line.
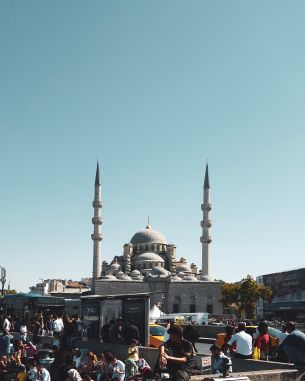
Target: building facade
[150,264]
[288,299]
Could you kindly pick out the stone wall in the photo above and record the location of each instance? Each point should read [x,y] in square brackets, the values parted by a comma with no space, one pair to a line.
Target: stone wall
[183,295]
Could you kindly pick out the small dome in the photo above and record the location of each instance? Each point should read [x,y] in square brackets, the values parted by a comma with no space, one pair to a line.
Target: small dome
[148,235]
[158,270]
[125,277]
[190,278]
[149,257]
[176,278]
[135,273]
[183,267]
[120,274]
[180,274]
[108,277]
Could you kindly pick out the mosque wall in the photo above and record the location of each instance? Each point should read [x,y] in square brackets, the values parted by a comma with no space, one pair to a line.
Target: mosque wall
[172,297]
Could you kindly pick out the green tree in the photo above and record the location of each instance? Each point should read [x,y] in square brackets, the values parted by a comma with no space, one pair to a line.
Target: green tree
[244,295]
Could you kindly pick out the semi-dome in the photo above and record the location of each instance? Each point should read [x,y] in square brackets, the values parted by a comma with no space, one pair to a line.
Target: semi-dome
[158,270]
[148,235]
[149,257]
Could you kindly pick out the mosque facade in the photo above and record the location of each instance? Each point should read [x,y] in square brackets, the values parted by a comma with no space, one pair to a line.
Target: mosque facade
[150,264]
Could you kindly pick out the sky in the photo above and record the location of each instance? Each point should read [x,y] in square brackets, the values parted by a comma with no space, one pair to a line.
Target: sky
[152,89]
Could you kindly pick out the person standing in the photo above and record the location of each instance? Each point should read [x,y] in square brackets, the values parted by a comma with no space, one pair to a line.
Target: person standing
[243,343]
[7,325]
[5,343]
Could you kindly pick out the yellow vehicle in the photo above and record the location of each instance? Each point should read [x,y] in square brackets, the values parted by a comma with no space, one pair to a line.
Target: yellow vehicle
[156,335]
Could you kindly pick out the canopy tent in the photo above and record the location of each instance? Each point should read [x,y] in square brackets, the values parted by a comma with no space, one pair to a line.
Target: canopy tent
[155,313]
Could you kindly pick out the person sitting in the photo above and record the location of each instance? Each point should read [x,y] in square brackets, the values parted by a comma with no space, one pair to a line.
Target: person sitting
[116,366]
[102,369]
[262,340]
[175,355]
[21,375]
[133,357]
[294,346]
[243,343]
[74,375]
[91,362]
[220,362]
[32,372]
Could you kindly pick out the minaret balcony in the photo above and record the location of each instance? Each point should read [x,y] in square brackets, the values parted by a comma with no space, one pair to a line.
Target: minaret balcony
[97,221]
[96,237]
[206,223]
[97,204]
[206,239]
[207,207]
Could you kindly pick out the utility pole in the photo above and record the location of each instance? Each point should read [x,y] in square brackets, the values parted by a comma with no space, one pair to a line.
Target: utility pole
[3,278]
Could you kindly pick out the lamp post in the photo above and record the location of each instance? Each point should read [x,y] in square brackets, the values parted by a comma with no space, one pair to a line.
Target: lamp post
[3,278]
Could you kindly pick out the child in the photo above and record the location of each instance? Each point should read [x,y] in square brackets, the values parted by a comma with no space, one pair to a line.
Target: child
[133,357]
[21,375]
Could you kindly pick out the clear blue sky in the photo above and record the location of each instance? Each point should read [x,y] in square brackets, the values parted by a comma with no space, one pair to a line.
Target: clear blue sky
[152,88]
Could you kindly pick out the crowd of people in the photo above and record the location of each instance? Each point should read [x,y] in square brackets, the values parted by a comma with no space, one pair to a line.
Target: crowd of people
[23,359]
[239,344]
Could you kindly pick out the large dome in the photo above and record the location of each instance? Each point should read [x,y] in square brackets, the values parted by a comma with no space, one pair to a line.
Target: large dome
[148,235]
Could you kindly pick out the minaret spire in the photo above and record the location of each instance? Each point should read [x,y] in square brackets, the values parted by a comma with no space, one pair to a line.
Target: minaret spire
[206,224]
[97,222]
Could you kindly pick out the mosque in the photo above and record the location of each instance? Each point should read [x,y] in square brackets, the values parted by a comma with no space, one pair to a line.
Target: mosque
[149,264]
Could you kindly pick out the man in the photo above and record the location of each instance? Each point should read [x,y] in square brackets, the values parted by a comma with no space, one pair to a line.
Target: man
[294,346]
[5,343]
[116,366]
[58,326]
[132,332]
[220,362]
[7,325]
[243,343]
[175,355]
[42,373]
[116,332]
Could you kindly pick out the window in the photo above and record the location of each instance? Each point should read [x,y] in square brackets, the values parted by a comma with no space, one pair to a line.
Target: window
[209,308]
[175,308]
[192,307]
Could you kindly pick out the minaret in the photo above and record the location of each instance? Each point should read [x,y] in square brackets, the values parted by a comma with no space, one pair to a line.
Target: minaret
[206,239]
[97,222]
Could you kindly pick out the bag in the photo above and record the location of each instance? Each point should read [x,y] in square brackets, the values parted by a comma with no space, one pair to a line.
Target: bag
[256,355]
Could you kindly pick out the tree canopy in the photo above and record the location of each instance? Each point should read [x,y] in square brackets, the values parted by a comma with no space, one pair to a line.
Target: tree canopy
[245,294]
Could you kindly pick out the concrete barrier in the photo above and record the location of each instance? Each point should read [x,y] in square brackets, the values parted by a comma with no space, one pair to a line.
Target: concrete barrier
[267,375]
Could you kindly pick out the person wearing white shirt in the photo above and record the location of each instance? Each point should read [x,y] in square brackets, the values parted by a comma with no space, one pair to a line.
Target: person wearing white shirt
[42,373]
[58,327]
[243,342]
[7,324]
